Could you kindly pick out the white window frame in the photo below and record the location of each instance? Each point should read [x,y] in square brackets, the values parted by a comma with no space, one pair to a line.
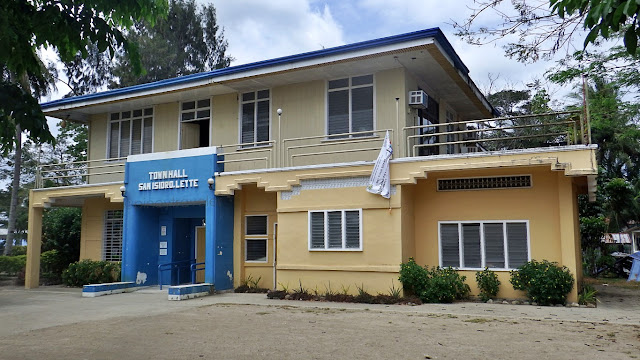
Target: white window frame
[106,218]
[482,243]
[266,250]
[264,237]
[255,118]
[349,87]
[326,229]
[130,119]
[180,121]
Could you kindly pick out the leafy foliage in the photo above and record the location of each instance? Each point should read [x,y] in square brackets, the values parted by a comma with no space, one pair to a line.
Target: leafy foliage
[188,41]
[68,27]
[61,233]
[12,265]
[544,282]
[86,272]
[544,27]
[52,264]
[435,285]
[488,284]
[587,295]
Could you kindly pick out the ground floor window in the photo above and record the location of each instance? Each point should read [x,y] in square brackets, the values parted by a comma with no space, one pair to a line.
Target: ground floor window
[255,232]
[477,244]
[112,237]
[335,230]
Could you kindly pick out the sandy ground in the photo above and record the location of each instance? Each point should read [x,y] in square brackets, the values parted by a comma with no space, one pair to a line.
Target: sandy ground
[145,325]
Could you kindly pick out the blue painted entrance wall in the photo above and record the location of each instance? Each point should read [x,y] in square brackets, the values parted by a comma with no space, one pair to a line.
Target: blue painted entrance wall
[166,197]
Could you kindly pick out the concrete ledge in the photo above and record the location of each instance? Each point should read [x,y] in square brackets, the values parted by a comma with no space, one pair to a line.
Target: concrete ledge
[190,291]
[93,290]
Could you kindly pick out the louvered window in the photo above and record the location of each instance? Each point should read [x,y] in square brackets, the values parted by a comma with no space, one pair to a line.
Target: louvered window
[256,250]
[478,244]
[335,230]
[112,236]
[130,133]
[254,118]
[255,231]
[256,225]
[350,106]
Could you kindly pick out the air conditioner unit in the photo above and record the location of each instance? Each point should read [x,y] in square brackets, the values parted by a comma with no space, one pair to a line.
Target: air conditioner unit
[418,99]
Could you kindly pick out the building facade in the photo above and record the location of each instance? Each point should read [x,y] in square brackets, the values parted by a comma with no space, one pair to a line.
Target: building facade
[259,171]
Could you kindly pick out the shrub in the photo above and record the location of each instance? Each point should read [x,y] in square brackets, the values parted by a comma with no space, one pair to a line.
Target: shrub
[444,286]
[587,295]
[413,277]
[91,272]
[544,282]
[11,265]
[52,264]
[18,250]
[432,286]
[488,284]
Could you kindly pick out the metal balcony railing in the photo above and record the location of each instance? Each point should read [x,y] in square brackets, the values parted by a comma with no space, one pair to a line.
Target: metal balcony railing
[493,134]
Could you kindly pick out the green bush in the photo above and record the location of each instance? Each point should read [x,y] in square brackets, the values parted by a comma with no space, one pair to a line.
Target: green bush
[433,285]
[91,272]
[11,265]
[18,250]
[52,264]
[488,284]
[413,277]
[544,282]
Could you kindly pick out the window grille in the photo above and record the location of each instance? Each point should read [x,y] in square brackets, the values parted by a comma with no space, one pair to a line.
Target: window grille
[112,237]
[479,183]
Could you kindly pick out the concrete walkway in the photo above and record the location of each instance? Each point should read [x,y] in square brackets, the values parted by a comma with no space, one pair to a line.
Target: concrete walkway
[24,310]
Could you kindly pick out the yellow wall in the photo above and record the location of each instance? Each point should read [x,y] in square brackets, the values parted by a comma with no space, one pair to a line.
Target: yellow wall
[375,267]
[165,127]
[253,201]
[552,234]
[91,235]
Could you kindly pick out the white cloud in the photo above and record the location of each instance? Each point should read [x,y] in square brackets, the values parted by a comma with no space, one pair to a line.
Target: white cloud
[259,30]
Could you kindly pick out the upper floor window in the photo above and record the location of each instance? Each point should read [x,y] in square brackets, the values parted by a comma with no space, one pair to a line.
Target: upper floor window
[350,106]
[195,117]
[254,117]
[130,133]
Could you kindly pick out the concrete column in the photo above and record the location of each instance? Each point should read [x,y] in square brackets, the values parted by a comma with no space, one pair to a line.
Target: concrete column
[34,243]
[238,243]
[569,247]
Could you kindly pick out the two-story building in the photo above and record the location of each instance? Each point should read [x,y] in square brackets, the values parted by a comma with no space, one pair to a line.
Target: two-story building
[260,170]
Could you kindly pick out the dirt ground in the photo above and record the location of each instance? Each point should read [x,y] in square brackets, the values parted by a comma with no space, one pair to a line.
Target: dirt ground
[272,329]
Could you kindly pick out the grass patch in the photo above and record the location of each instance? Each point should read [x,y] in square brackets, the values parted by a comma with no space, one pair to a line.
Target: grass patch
[478,320]
[615,282]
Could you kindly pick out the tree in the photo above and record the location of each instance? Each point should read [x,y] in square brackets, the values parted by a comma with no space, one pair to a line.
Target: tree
[188,41]
[69,27]
[543,27]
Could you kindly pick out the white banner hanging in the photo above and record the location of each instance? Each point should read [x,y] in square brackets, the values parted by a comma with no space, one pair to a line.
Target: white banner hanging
[380,180]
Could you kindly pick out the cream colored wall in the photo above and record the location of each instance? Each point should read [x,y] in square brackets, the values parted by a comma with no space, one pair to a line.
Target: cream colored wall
[548,208]
[375,267]
[165,138]
[92,229]
[97,150]
[165,127]
[408,222]
[253,201]
[304,114]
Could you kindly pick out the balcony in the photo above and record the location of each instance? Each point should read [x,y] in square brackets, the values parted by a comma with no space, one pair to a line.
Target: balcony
[453,138]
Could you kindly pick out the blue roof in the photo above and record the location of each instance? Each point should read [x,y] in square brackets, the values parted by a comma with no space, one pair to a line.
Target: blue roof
[435,33]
